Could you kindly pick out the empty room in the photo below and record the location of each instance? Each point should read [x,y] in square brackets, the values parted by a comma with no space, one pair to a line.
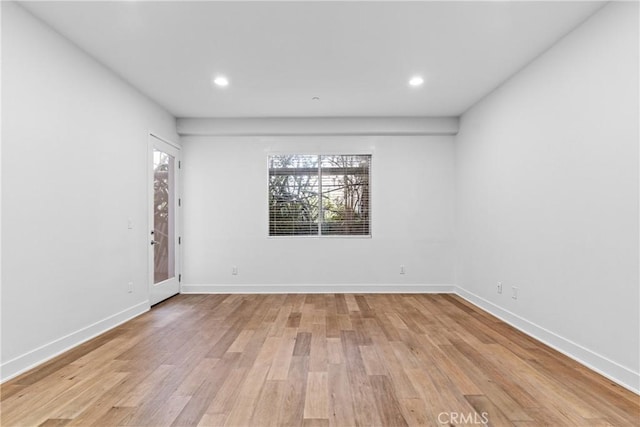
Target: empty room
[320,213]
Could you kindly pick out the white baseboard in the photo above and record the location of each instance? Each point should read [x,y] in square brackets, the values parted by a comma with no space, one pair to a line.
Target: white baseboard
[596,362]
[317,289]
[33,358]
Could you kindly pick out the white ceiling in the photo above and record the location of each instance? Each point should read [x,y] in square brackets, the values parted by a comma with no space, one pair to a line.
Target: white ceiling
[357,57]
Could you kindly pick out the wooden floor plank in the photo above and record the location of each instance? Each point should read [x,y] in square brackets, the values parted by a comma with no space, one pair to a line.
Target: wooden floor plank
[340,397]
[242,412]
[269,404]
[280,366]
[364,406]
[387,401]
[201,397]
[488,411]
[316,402]
[292,413]
[314,360]
[415,412]
[55,422]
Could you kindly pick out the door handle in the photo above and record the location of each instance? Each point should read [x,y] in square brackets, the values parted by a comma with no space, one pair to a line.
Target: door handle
[154,242]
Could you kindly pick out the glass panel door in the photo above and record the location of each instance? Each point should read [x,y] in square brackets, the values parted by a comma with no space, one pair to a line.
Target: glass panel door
[164,219]
[163,216]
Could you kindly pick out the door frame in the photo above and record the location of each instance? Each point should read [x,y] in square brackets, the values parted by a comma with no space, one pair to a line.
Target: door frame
[153,139]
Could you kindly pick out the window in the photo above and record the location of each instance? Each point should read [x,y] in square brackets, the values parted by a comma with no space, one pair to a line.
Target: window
[319,195]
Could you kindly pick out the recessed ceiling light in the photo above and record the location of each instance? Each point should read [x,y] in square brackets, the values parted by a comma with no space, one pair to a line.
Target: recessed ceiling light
[316,98]
[221,81]
[416,81]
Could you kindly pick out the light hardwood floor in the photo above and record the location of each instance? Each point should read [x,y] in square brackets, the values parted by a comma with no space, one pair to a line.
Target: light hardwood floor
[314,360]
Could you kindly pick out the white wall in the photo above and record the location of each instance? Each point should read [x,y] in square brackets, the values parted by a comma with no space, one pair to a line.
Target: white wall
[547,195]
[226,217]
[74,141]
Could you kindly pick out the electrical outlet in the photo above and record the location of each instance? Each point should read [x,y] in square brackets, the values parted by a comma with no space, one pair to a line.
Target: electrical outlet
[130,287]
[234,270]
[402,270]
[499,287]
[514,292]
